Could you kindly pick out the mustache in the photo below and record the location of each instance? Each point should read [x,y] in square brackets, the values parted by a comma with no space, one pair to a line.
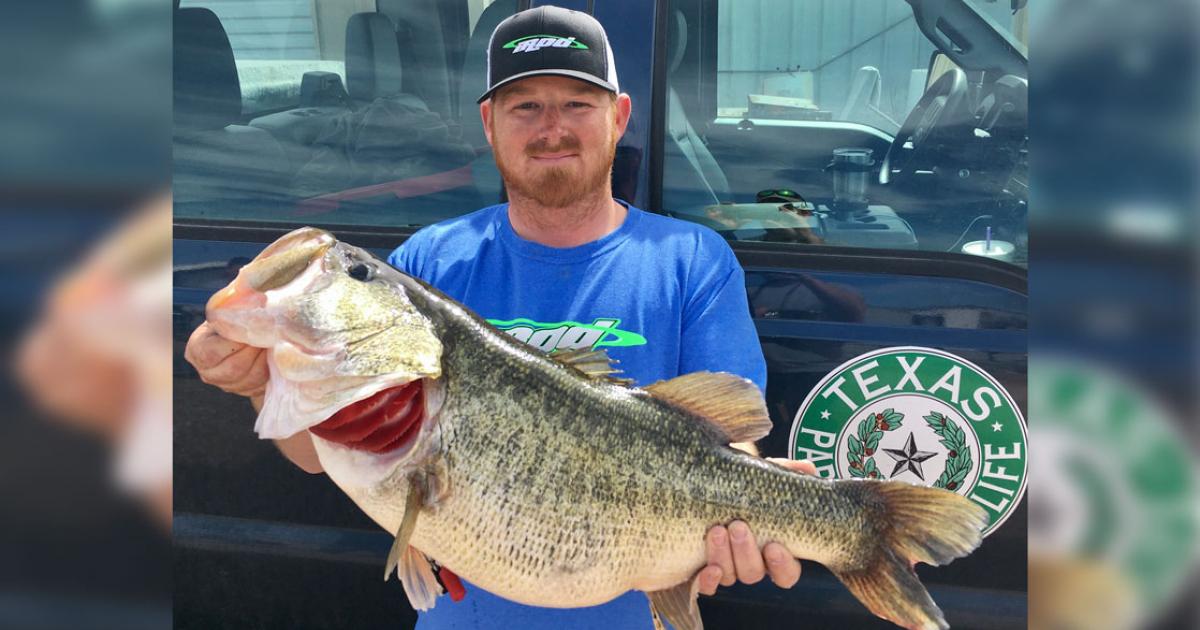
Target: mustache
[537,147]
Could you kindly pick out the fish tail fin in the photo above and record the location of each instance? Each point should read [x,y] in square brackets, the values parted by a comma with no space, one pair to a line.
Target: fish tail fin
[915,524]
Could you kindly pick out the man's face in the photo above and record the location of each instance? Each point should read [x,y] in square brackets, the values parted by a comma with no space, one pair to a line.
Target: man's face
[554,138]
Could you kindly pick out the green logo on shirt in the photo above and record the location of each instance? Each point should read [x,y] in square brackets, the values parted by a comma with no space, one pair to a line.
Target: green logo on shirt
[547,337]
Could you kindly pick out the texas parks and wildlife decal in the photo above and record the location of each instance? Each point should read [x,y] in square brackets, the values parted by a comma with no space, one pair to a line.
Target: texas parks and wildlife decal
[919,415]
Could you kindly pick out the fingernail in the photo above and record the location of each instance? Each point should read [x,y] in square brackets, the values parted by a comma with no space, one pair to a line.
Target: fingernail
[775,558]
[718,537]
[737,532]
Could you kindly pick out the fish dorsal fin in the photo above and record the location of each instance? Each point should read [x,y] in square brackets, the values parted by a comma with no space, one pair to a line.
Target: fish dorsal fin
[592,363]
[731,404]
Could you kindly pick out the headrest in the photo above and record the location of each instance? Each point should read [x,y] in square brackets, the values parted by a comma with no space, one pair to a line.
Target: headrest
[677,39]
[207,92]
[372,57]
[474,71]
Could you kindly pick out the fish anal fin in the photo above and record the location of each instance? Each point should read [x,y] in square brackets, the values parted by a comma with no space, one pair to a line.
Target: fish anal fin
[420,584]
[916,524]
[731,404]
[891,590]
[594,364]
[677,605]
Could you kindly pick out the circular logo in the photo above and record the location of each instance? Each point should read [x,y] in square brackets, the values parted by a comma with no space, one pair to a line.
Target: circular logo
[1117,487]
[918,415]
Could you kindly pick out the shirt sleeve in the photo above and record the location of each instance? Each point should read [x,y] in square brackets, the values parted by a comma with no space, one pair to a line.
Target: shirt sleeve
[401,258]
[409,258]
[718,332]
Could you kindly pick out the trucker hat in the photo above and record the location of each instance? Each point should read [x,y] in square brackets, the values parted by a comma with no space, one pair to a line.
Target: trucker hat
[549,40]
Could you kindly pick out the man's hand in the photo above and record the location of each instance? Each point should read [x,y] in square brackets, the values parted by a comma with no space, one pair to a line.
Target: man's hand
[234,367]
[733,553]
[241,369]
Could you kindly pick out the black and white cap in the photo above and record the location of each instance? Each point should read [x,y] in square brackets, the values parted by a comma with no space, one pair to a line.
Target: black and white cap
[549,40]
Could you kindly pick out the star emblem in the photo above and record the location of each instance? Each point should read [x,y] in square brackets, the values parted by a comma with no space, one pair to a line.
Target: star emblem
[825,415]
[908,458]
[996,426]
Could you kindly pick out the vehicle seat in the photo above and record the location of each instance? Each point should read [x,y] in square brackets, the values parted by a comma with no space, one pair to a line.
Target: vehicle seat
[474,82]
[373,66]
[474,73]
[421,36]
[373,71]
[216,159]
[693,177]
[386,136]
[865,92]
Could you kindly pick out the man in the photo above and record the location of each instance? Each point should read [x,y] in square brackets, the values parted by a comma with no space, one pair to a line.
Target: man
[564,252]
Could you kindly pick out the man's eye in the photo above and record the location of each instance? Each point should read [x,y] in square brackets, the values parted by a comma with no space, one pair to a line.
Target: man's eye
[578,105]
[526,106]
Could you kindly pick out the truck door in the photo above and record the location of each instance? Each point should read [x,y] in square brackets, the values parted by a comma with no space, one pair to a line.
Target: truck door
[776,119]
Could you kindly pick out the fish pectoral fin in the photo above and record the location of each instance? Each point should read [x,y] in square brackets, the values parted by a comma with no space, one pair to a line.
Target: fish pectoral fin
[420,584]
[731,404]
[416,574]
[677,605]
[408,523]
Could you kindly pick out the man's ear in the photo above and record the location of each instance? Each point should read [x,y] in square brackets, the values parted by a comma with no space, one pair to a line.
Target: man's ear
[624,108]
[485,112]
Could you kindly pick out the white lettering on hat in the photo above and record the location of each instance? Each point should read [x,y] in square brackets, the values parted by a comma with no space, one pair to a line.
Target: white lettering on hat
[531,45]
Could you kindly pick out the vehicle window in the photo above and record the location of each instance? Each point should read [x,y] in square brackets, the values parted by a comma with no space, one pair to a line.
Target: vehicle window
[274,44]
[331,112]
[835,122]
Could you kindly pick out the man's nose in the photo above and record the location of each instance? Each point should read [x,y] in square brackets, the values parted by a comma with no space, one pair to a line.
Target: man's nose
[552,121]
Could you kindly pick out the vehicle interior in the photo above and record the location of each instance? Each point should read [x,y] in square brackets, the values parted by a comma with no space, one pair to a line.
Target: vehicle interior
[935,92]
[894,124]
[347,132]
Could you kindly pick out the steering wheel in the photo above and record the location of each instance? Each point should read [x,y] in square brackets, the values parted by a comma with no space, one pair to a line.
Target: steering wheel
[942,109]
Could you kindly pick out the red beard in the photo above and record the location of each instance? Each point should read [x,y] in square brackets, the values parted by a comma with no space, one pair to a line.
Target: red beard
[556,187]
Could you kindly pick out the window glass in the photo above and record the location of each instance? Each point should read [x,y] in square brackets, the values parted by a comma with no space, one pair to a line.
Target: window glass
[332,112]
[836,122]
[274,44]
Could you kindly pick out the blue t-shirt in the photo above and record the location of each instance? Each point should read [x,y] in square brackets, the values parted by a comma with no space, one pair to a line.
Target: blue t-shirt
[662,296]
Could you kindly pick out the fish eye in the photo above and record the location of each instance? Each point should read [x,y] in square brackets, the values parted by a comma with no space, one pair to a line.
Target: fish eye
[361,272]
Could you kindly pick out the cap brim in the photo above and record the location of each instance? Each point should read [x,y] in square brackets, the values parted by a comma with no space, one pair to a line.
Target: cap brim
[572,74]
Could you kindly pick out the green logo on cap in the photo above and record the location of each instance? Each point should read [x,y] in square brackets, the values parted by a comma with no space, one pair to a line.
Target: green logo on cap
[530,43]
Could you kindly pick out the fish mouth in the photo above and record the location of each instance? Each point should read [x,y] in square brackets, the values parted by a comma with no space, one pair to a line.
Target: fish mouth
[388,420]
[239,309]
[277,265]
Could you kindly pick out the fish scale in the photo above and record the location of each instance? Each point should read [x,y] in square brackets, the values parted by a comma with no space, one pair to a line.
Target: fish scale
[543,481]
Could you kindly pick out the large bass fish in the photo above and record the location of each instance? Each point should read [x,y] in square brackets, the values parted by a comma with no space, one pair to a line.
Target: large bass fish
[543,479]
